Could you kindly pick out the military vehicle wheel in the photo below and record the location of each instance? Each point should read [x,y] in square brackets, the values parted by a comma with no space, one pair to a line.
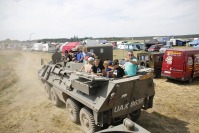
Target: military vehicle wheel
[48,90]
[87,121]
[74,109]
[135,115]
[55,99]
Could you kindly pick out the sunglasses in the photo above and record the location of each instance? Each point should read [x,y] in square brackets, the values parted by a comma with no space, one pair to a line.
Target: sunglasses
[130,55]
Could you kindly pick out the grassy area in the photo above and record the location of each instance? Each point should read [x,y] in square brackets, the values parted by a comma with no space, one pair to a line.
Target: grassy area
[7,73]
[121,54]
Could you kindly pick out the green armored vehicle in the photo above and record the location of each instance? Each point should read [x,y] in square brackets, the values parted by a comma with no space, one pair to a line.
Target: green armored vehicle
[151,60]
[97,101]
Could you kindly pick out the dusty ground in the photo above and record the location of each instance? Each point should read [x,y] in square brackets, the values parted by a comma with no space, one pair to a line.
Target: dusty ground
[25,108]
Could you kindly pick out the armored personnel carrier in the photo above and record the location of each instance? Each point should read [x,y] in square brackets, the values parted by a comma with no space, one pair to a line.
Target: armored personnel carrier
[96,101]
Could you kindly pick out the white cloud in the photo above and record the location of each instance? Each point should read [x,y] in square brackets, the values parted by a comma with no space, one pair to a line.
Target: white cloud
[99,18]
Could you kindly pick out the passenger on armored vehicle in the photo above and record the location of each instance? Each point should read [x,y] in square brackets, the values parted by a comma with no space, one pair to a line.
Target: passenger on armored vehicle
[72,55]
[97,68]
[86,53]
[56,57]
[87,67]
[107,71]
[118,72]
[67,57]
[130,64]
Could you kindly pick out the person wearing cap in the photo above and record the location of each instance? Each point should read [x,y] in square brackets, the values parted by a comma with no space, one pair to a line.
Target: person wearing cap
[130,64]
[97,68]
[118,72]
[87,67]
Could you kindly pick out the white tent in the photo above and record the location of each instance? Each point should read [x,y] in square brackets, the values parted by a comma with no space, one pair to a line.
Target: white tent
[37,47]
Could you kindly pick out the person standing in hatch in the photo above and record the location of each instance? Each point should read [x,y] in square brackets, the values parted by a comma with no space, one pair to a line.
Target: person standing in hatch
[131,64]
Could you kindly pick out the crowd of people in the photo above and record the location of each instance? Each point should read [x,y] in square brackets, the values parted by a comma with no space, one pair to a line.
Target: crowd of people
[106,68]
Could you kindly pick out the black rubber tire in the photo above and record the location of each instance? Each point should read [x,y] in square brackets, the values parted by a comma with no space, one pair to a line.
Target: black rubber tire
[74,108]
[55,99]
[190,80]
[87,121]
[48,88]
[158,73]
[135,115]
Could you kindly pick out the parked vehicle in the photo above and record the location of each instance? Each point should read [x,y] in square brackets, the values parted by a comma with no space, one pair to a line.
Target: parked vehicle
[194,42]
[178,42]
[181,64]
[196,46]
[165,47]
[151,42]
[154,48]
[151,60]
[132,46]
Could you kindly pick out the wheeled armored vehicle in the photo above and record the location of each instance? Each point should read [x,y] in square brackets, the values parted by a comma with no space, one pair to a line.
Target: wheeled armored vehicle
[96,101]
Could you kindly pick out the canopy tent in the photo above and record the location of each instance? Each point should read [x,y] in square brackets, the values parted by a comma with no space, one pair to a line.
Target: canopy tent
[69,46]
[152,42]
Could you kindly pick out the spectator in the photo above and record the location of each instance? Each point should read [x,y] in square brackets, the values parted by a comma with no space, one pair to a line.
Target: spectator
[97,68]
[80,56]
[86,53]
[131,64]
[118,72]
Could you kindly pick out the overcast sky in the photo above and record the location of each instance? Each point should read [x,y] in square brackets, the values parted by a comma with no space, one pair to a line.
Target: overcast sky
[97,18]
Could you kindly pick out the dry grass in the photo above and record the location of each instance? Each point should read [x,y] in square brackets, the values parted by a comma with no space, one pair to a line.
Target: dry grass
[8,59]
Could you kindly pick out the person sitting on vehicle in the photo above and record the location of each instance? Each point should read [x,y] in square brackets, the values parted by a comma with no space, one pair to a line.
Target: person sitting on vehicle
[118,72]
[131,64]
[67,57]
[72,55]
[87,67]
[107,72]
[56,57]
[97,68]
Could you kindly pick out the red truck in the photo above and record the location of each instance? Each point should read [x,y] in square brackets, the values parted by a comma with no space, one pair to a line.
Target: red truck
[181,64]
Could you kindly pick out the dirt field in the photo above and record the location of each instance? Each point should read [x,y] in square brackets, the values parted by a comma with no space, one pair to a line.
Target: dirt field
[24,107]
